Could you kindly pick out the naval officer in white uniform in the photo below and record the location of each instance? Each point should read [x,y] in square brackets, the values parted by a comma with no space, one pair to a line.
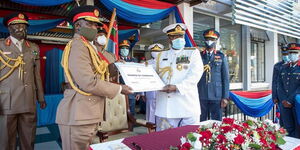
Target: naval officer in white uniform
[180,68]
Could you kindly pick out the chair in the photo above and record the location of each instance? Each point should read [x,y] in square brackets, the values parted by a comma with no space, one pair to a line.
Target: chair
[118,119]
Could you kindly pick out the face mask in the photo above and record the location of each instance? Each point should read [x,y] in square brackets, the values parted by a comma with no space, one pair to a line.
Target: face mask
[101,40]
[285,58]
[124,52]
[210,44]
[88,33]
[293,57]
[154,54]
[178,43]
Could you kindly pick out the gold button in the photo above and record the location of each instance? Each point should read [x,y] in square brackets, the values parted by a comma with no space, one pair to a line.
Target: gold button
[287,83]
[288,78]
[25,72]
[25,85]
[287,90]
[89,99]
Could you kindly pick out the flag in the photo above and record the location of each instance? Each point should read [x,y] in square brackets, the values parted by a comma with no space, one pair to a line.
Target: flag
[113,40]
[113,43]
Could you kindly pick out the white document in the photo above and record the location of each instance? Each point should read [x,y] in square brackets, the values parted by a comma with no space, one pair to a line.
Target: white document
[139,77]
[290,144]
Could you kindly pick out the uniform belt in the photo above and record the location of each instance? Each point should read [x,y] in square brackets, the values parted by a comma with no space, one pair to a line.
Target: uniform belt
[68,86]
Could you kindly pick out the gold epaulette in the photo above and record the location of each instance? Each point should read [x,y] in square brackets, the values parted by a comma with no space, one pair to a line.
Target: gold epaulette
[190,48]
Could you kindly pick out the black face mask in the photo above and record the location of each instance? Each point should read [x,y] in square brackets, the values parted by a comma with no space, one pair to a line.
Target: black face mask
[89,33]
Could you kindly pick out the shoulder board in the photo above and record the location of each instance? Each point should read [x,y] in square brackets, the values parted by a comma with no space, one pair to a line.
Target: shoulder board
[7,41]
[27,43]
[219,52]
[190,48]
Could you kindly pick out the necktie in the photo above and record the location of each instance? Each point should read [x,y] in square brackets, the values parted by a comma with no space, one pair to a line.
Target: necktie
[208,56]
[19,45]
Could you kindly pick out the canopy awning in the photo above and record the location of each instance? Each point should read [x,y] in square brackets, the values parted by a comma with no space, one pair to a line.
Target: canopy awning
[281,16]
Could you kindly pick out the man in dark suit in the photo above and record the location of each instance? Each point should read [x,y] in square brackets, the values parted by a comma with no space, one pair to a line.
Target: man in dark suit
[213,87]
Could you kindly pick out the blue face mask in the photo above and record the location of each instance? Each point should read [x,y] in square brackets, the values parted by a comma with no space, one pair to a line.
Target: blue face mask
[210,44]
[294,57]
[178,43]
[124,52]
[286,58]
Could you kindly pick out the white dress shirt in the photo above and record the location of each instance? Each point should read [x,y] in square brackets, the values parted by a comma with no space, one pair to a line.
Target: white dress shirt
[17,43]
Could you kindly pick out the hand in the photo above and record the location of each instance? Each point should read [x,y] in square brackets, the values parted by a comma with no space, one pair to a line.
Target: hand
[286,104]
[122,61]
[169,88]
[126,90]
[224,103]
[43,104]
[137,97]
[275,101]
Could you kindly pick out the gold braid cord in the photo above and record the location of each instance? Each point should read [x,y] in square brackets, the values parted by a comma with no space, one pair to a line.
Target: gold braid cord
[18,63]
[100,65]
[163,71]
[208,74]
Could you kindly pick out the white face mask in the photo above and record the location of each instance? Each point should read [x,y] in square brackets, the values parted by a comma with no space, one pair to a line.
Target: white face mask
[101,40]
[154,54]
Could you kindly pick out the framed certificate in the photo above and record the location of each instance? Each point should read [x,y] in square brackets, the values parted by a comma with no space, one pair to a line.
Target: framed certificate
[139,77]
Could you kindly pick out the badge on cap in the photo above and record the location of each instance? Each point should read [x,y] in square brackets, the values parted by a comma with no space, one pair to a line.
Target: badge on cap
[21,16]
[96,12]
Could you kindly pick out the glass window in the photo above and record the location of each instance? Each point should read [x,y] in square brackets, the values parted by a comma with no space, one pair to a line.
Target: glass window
[257,61]
[230,40]
[201,23]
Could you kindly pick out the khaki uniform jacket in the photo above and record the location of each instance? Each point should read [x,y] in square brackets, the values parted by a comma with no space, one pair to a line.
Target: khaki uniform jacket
[77,109]
[16,95]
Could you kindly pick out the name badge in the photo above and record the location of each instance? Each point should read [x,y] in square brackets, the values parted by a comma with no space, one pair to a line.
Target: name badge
[6,53]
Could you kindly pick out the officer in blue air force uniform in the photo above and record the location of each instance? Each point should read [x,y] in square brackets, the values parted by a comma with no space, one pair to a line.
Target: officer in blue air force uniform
[276,72]
[214,84]
[180,69]
[288,88]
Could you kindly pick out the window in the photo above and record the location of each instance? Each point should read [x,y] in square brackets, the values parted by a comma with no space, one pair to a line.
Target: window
[230,40]
[201,23]
[257,61]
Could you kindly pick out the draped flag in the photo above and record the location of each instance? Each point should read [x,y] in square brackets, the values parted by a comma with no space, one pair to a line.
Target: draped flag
[254,104]
[146,11]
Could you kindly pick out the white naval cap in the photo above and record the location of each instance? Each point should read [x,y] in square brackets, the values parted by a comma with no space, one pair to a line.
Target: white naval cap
[156,47]
[175,29]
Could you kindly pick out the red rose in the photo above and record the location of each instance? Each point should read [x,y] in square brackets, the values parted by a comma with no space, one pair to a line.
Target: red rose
[205,135]
[273,146]
[239,128]
[264,142]
[226,129]
[282,131]
[245,125]
[186,145]
[239,139]
[273,137]
[221,138]
[228,120]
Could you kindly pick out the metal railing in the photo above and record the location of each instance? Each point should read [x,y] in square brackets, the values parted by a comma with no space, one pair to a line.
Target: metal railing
[232,111]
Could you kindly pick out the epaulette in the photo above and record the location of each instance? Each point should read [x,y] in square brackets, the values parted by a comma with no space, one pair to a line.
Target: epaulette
[190,48]
[219,52]
[7,41]
[166,49]
[27,43]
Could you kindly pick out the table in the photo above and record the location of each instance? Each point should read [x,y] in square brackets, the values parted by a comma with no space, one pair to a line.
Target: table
[167,138]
